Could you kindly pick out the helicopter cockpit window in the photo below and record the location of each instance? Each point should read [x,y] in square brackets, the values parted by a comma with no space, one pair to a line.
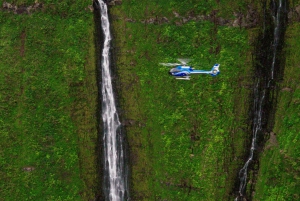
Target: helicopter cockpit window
[174,70]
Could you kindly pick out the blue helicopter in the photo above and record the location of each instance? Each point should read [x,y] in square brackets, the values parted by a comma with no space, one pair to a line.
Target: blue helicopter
[182,71]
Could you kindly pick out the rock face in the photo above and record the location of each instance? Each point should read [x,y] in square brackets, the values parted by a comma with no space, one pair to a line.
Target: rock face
[113,2]
[21,9]
[247,20]
[28,168]
[272,142]
[294,13]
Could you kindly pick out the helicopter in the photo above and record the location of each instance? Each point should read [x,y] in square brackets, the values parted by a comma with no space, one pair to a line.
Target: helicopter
[182,71]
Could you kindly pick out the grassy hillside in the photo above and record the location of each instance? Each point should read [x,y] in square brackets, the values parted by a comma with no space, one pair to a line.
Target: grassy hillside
[187,138]
[48,103]
[279,176]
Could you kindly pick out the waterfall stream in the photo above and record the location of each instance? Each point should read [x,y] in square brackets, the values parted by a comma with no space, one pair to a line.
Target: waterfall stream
[268,65]
[115,170]
[115,174]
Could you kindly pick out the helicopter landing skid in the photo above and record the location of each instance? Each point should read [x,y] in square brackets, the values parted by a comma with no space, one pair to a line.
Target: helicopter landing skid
[183,78]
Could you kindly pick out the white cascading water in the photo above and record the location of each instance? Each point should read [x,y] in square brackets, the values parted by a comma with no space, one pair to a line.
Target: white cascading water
[259,96]
[276,18]
[115,177]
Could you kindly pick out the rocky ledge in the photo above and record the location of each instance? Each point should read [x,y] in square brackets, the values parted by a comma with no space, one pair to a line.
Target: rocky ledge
[113,2]
[21,9]
[248,20]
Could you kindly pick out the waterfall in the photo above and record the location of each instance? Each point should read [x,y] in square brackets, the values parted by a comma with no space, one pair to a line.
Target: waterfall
[264,85]
[115,174]
[259,99]
[277,23]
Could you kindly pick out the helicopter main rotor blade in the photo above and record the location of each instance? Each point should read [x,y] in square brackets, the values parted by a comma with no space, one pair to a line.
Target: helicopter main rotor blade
[184,61]
[169,64]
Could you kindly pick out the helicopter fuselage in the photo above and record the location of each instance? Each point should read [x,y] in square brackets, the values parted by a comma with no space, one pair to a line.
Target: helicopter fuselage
[185,71]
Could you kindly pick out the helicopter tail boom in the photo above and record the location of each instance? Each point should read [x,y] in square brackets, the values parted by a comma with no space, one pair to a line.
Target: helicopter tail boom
[200,72]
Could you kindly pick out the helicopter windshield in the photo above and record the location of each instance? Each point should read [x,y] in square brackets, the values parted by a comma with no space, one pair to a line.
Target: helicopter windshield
[174,70]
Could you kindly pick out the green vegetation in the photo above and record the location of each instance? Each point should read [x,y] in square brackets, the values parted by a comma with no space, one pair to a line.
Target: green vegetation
[187,138]
[141,9]
[279,176]
[48,103]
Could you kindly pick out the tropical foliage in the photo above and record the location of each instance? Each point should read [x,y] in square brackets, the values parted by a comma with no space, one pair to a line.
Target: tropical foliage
[48,103]
[186,139]
[279,176]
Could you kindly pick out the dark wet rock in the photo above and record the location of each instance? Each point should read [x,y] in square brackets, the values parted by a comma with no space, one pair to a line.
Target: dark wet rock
[246,20]
[7,5]
[129,20]
[156,20]
[290,14]
[178,23]
[185,20]
[287,89]
[164,20]
[29,8]
[236,23]
[251,18]
[113,2]
[222,21]
[213,13]
[272,142]
[21,9]
[37,5]
[294,13]
[192,18]
[176,14]
[90,8]
[96,5]
[200,17]
[243,23]
[28,168]
[129,122]
[297,9]
[150,21]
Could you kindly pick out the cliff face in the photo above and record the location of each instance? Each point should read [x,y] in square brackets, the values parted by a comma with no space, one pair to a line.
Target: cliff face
[269,64]
[186,139]
[21,9]
[169,134]
[278,176]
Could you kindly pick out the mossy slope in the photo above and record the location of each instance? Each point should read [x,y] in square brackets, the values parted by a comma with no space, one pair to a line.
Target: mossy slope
[48,103]
[187,138]
[279,175]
